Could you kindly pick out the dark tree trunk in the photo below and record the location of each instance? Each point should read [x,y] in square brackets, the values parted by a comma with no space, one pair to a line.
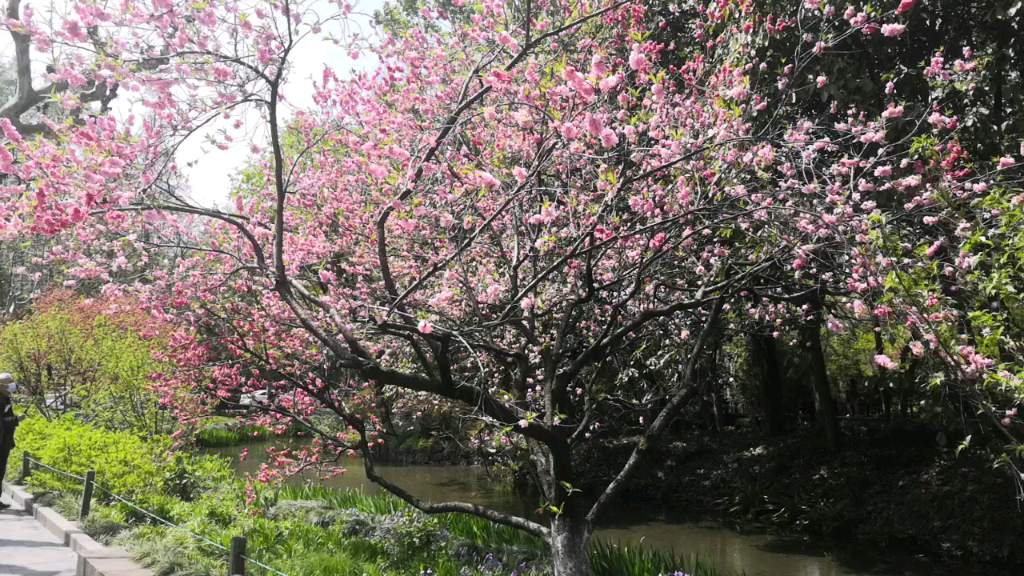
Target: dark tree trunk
[767,361]
[827,416]
[909,380]
[905,397]
[569,541]
[718,404]
[707,413]
[883,385]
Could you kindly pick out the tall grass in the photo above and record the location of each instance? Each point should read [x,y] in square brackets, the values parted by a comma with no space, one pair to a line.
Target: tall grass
[610,559]
[340,499]
[218,437]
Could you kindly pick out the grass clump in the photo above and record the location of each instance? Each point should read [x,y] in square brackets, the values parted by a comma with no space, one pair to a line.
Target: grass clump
[224,436]
[608,559]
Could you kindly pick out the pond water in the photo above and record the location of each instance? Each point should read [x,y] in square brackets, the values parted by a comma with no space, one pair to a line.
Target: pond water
[750,554]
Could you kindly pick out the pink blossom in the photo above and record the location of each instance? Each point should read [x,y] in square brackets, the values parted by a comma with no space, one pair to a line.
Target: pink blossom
[425,327]
[916,348]
[893,111]
[637,60]
[1006,162]
[904,6]
[822,80]
[222,73]
[505,39]
[520,174]
[798,263]
[608,138]
[738,93]
[610,83]
[886,362]
[833,324]
[12,134]
[487,180]
[893,30]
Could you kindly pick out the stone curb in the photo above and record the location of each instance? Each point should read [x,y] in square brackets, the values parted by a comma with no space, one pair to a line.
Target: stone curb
[94,559]
[20,496]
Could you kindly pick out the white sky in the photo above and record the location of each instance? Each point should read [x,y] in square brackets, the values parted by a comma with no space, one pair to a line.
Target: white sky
[210,172]
[212,168]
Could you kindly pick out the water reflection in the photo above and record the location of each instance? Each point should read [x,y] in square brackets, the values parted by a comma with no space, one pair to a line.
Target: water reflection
[736,553]
[752,555]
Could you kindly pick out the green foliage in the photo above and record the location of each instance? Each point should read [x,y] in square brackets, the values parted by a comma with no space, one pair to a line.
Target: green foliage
[124,463]
[850,354]
[170,553]
[71,355]
[324,564]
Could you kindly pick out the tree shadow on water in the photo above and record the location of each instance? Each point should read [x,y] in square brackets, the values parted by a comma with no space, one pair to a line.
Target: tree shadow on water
[863,562]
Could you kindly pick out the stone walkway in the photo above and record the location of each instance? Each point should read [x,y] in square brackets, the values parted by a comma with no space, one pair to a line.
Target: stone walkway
[28,549]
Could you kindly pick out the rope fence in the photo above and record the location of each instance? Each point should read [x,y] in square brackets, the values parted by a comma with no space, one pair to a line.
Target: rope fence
[237,557]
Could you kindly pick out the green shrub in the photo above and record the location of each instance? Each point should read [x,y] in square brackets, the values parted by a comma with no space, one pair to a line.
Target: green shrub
[124,463]
[95,356]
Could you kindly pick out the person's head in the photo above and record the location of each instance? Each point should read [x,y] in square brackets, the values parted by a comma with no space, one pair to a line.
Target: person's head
[6,384]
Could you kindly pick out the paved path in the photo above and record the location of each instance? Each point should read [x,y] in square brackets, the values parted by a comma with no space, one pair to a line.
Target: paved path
[28,549]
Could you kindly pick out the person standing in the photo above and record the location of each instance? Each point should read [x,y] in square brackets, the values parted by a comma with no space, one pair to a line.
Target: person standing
[8,422]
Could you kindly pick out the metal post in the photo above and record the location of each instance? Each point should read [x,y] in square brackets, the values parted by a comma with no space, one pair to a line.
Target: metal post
[236,559]
[90,479]
[26,465]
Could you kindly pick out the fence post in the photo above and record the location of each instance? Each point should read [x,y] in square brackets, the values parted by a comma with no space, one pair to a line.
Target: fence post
[26,465]
[236,559]
[90,479]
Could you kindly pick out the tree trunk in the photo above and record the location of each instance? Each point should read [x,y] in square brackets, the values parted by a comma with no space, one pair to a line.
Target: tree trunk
[883,384]
[569,540]
[822,391]
[718,405]
[767,361]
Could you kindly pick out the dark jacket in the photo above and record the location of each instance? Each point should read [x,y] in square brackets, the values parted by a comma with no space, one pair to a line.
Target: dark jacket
[8,422]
